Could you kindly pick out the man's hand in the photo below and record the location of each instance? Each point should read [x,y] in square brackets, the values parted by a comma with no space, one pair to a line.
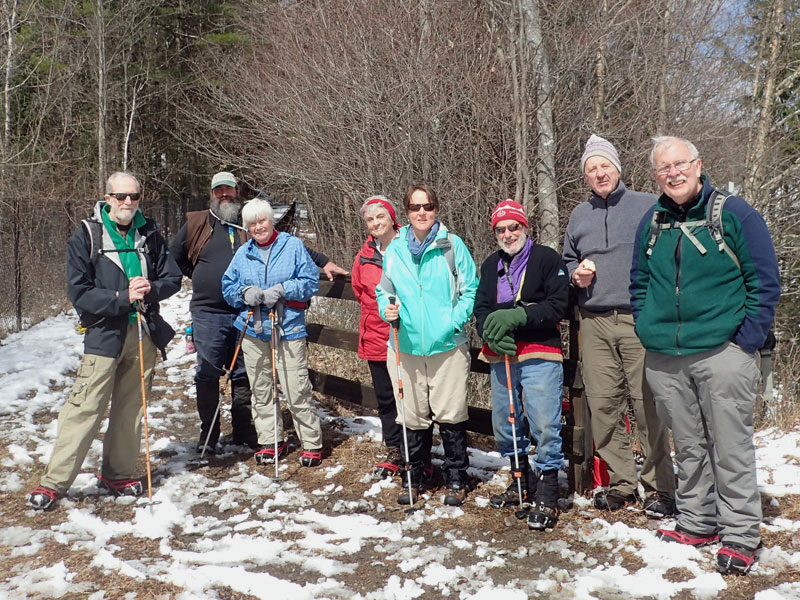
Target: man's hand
[500,322]
[138,288]
[584,275]
[331,269]
[253,295]
[505,345]
[271,295]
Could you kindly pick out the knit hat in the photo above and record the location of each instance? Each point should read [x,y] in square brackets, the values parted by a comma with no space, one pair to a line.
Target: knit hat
[385,203]
[597,146]
[223,178]
[508,209]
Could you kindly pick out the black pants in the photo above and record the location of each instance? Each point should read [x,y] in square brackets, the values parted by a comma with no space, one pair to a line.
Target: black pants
[387,408]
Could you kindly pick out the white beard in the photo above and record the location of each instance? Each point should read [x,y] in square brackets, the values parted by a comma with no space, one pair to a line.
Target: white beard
[229,211]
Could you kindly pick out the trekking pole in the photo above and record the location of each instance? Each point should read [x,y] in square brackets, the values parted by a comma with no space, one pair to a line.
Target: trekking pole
[274,385]
[520,514]
[144,409]
[395,326]
[228,375]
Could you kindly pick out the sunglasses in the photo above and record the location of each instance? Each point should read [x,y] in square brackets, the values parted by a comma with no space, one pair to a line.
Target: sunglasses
[429,207]
[120,196]
[513,228]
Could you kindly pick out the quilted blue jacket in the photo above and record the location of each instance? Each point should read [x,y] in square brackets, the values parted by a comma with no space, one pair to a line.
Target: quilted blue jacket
[290,265]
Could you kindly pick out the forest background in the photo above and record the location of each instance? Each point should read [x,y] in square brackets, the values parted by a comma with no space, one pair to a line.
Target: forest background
[328,101]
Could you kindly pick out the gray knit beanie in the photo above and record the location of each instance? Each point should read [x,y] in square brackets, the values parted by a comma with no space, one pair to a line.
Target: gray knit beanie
[597,146]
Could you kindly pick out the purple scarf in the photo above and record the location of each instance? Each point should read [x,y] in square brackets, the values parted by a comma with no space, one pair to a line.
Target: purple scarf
[516,270]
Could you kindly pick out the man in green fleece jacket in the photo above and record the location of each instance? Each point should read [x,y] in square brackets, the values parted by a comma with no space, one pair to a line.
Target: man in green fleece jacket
[702,310]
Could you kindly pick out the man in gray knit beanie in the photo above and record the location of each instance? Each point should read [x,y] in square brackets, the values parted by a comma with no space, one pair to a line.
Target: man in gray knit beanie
[598,250]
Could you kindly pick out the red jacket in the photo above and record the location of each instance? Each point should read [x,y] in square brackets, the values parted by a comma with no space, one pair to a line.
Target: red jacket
[373,332]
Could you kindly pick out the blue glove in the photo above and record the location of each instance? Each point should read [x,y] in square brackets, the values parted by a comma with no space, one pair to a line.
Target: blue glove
[271,295]
[253,296]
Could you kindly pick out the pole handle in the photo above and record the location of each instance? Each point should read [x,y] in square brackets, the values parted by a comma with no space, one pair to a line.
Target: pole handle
[396,322]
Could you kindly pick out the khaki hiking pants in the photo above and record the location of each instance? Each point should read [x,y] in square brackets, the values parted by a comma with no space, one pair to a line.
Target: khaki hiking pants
[101,380]
[434,387]
[292,368]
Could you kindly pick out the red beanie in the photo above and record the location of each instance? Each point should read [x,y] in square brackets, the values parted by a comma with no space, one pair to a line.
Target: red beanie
[385,203]
[508,209]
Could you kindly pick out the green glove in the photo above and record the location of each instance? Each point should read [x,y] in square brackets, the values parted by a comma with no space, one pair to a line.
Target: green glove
[505,345]
[500,322]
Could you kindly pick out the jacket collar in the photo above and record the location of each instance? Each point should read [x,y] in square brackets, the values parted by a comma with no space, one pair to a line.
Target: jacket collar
[613,198]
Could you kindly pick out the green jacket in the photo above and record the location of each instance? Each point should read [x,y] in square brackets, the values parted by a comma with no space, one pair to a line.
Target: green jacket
[432,313]
[685,302]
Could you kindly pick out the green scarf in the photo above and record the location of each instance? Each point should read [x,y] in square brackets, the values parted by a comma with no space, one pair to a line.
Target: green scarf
[130,260]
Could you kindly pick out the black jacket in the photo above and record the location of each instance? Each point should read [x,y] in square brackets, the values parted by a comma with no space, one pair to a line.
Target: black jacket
[545,293]
[99,290]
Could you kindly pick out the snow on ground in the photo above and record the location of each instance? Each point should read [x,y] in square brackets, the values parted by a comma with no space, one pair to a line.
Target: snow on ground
[261,533]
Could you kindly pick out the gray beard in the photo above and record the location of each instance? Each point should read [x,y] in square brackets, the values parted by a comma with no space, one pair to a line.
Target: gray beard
[228,211]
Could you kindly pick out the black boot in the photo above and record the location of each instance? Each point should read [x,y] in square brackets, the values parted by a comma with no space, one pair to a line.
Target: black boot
[244,432]
[411,494]
[207,400]
[415,467]
[456,461]
[545,514]
[527,480]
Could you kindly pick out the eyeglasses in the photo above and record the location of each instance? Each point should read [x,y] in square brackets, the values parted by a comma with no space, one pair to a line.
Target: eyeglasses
[680,165]
[429,207]
[513,228]
[120,196]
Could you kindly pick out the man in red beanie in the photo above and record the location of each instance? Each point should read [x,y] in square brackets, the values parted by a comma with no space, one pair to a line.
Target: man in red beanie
[522,296]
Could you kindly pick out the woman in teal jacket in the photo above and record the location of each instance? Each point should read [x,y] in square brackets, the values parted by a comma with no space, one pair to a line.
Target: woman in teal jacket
[428,290]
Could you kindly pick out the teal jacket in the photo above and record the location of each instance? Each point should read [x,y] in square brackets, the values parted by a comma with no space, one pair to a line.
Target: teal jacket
[432,313]
[685,302]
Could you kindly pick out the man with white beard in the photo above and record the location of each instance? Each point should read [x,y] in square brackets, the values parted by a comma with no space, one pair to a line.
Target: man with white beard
[203,249]
[522,296]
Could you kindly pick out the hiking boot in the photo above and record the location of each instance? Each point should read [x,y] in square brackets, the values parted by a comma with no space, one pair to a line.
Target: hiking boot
[311,458]
[544,515]
[659,506]
[121,487]
[389,466]
[266,456]
[457,486]
[735,558]
[233,439]
[414,474]
[528,483]
[210,449]
[43,498]
[687,538]
[613,500]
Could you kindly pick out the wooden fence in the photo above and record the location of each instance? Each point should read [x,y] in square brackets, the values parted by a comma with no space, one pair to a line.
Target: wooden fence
[575,433]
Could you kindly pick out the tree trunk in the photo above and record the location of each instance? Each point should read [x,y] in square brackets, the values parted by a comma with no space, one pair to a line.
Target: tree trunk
[763,112]
[545,128]
[661,123]
[102,107]
[600,73]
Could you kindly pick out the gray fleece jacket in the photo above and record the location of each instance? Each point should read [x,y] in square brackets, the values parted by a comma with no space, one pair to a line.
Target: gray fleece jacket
[604,231]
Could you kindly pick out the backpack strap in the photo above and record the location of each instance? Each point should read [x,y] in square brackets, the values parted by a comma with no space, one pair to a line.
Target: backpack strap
[714,222]
[446,245]
[95,232]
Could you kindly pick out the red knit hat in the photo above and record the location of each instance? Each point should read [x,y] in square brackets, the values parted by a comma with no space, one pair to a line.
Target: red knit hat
[385,203]
[508,209]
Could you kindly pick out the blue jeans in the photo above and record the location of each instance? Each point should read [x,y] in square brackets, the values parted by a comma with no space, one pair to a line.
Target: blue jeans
[540,383]
[215,338]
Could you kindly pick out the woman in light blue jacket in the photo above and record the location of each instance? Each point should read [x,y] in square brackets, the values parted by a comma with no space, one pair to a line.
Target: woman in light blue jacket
[273,272]
[428,289]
